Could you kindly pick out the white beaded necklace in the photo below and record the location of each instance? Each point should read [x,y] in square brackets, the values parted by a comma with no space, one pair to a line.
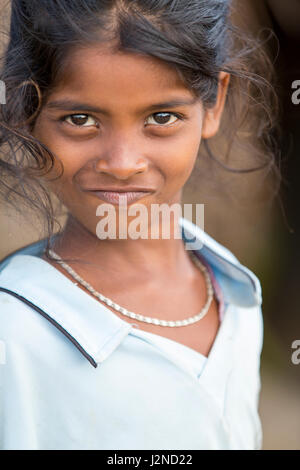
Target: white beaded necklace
[124,311]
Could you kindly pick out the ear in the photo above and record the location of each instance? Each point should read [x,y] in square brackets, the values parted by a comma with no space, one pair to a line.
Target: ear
[212,116]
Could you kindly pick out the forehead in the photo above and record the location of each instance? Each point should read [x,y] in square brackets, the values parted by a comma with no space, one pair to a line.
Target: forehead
[96,71]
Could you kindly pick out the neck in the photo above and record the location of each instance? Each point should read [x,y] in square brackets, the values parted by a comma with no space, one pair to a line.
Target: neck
[126,257]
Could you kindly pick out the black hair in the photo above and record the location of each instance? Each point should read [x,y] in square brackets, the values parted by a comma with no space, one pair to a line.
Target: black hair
[196,37]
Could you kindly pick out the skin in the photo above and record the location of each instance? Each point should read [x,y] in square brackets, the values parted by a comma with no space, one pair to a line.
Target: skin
[129,145]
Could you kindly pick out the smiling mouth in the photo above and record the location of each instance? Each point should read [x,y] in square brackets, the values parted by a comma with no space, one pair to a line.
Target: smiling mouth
[118,197]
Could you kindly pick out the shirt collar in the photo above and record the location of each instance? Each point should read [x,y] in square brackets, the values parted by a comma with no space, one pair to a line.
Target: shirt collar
[96,331]
[240,286]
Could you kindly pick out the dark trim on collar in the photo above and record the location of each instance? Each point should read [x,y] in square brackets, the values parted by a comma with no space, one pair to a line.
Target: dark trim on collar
[51,320]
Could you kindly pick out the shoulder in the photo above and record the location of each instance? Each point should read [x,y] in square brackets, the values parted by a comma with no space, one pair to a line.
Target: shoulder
[24,281]
[33,249]
[239,284]
[16,271]
[38,324]
[41,310]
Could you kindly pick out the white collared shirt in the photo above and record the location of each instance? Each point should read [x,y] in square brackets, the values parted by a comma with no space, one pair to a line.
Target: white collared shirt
[73,375]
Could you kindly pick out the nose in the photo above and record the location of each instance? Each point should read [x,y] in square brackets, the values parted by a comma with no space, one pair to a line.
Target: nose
[121,162]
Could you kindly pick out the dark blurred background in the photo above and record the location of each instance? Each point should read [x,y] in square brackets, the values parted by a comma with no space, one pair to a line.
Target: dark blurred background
[264,234]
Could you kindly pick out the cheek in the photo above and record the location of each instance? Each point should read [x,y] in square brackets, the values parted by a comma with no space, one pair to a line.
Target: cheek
[66,164]
[64,151]
[59,179]
[181,156]
[68,159]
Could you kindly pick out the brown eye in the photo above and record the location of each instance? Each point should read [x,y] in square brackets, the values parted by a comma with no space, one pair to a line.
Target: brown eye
[163,118]
[81,120]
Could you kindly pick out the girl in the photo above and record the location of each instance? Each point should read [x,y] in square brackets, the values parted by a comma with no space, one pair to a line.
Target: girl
[120,341]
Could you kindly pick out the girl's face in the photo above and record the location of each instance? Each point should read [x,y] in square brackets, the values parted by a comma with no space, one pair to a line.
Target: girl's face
[119,120]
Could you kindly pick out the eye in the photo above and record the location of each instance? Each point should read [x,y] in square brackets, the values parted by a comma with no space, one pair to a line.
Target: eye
[164,118]
[81,120]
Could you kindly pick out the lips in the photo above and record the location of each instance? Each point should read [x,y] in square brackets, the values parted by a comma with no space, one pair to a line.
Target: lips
[120,197]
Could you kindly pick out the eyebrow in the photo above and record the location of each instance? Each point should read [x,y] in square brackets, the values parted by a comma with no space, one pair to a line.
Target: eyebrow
[69,105]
